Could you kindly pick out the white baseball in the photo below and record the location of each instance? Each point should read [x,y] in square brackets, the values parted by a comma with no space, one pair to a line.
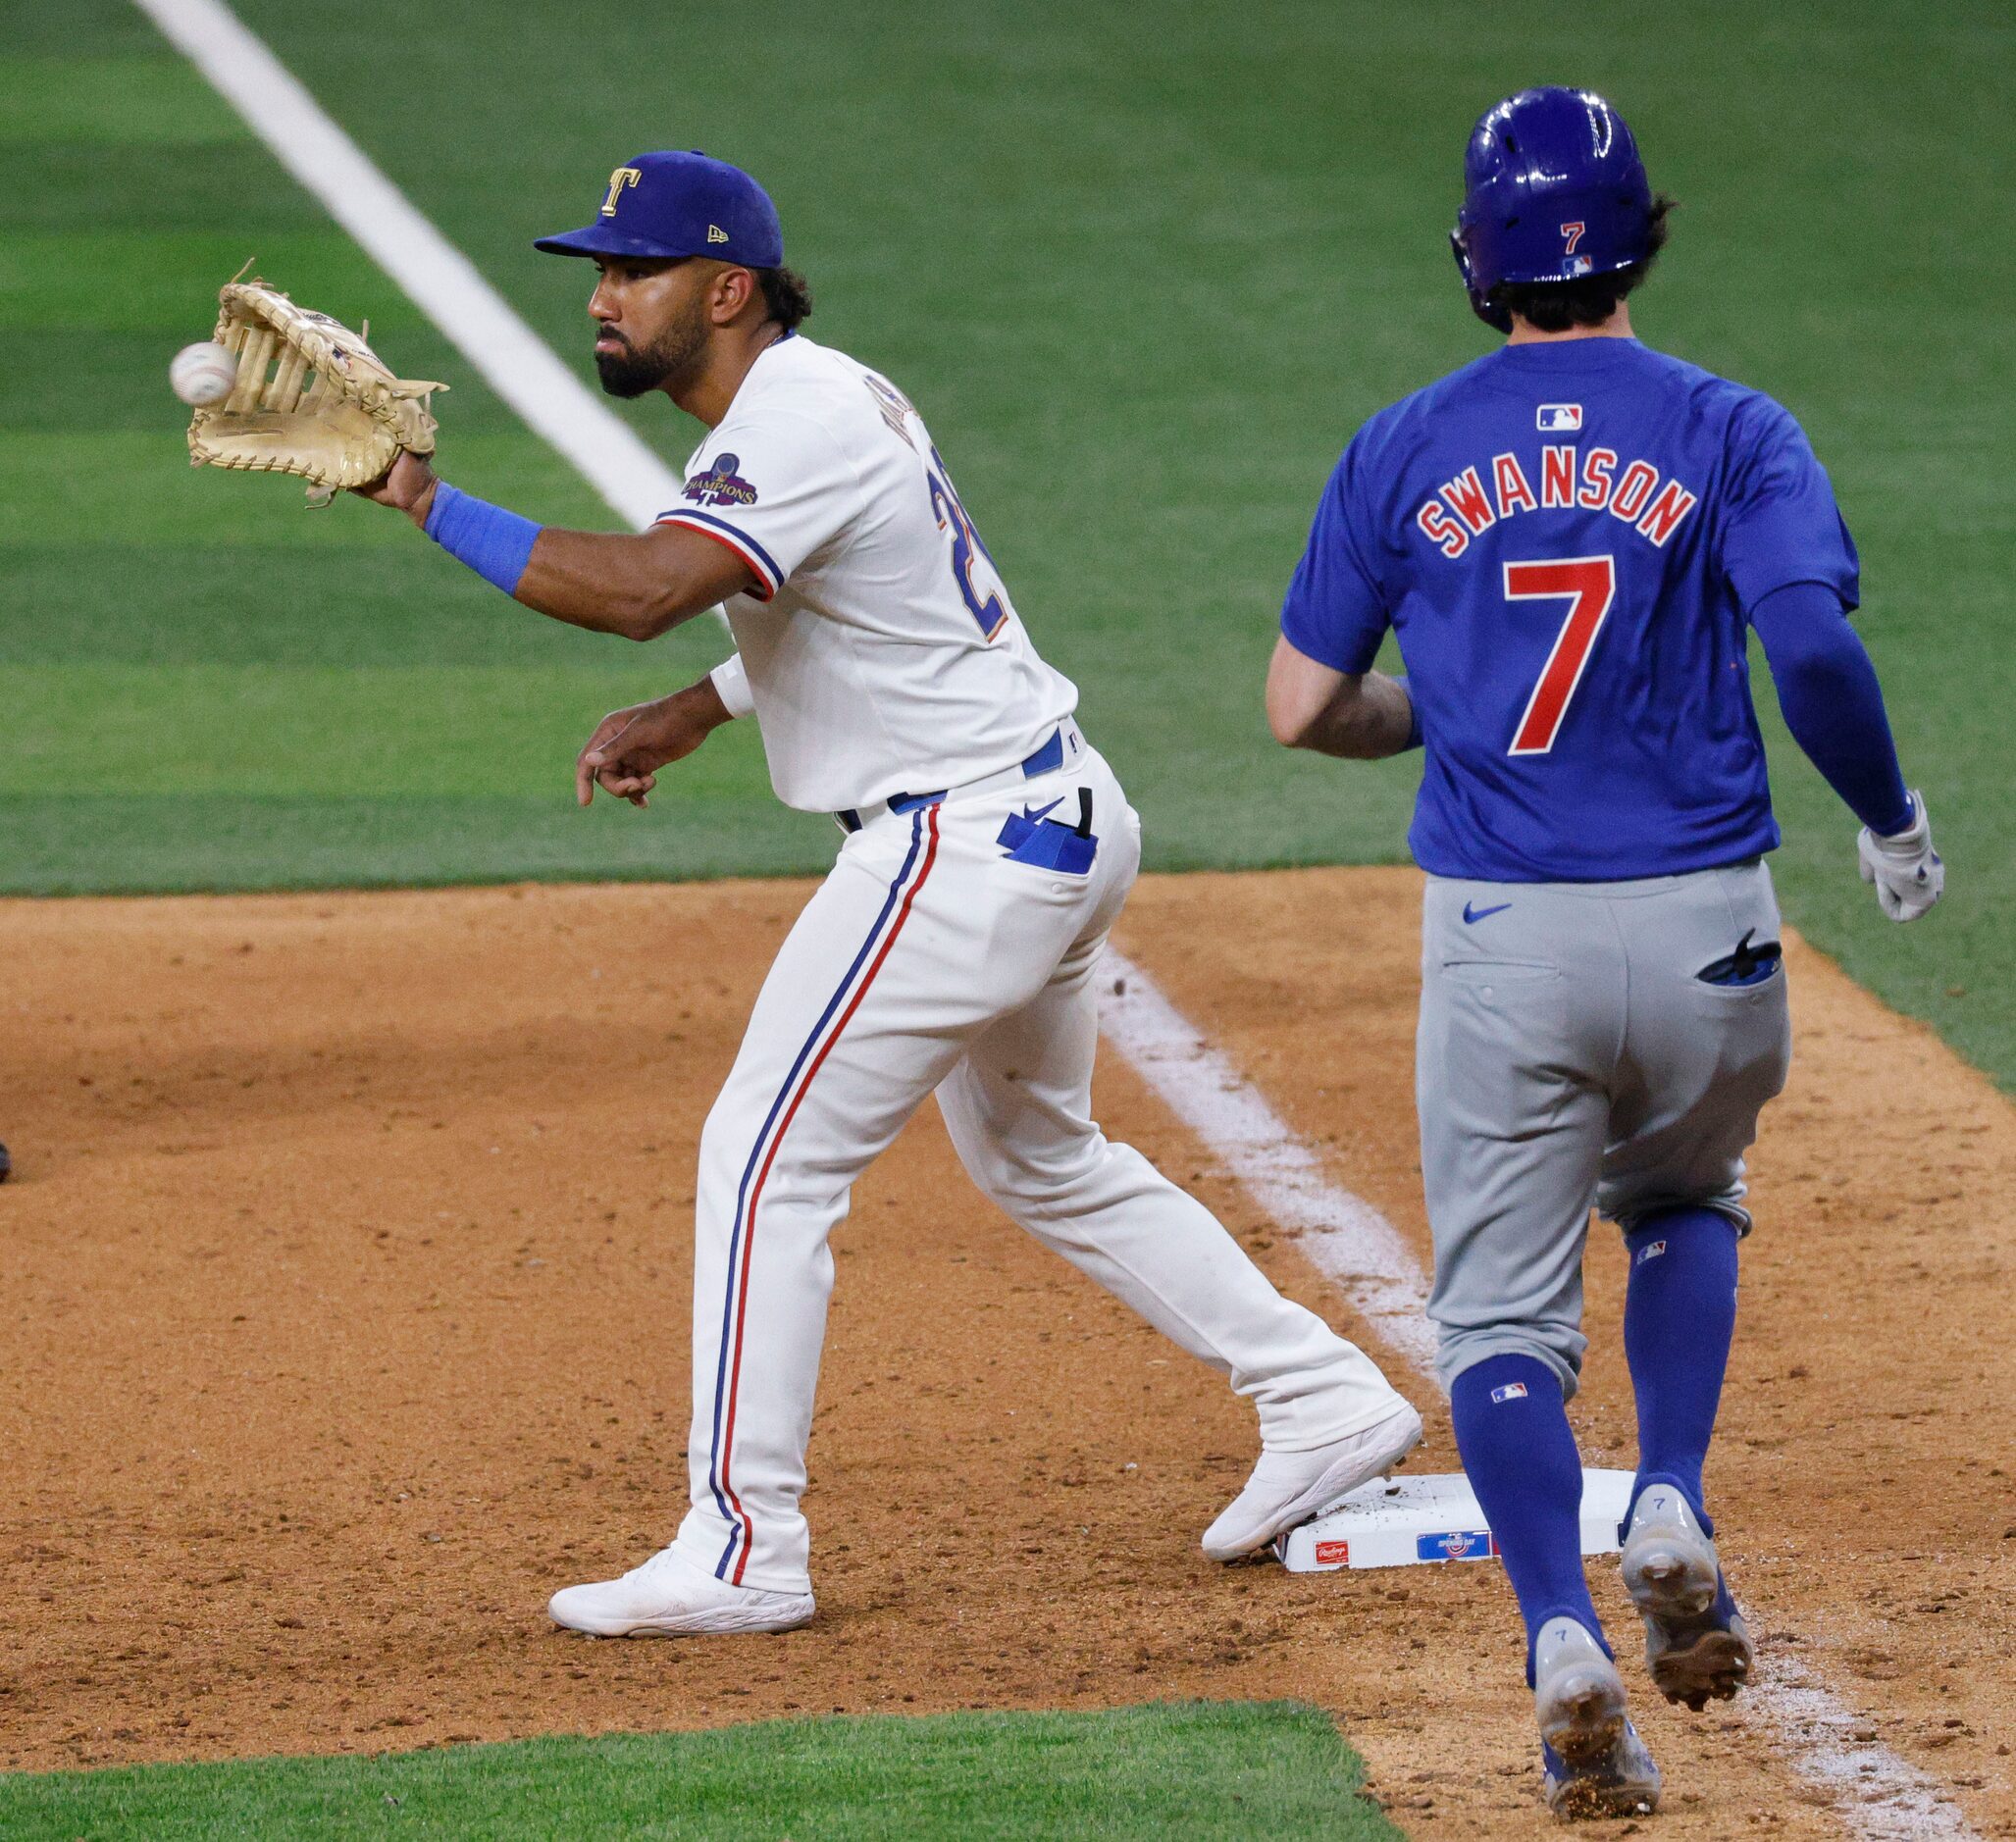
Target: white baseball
[203,374]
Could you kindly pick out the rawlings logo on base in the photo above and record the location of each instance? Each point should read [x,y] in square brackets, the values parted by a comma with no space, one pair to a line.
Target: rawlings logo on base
[1333,1554]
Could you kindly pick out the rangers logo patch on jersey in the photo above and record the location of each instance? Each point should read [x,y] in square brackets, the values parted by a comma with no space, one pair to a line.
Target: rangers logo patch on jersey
[1559,419]
[721,484]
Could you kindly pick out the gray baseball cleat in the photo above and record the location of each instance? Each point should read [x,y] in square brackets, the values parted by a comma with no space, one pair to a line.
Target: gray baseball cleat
[669,1597]
[1697,1646]
[1288,1488]
[1595,1764]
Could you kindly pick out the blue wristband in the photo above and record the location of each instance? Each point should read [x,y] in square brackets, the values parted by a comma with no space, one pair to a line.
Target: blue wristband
[1413,715]
[495,544]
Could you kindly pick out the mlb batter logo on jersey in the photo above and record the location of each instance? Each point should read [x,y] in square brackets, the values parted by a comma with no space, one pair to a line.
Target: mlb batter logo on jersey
[1559,419]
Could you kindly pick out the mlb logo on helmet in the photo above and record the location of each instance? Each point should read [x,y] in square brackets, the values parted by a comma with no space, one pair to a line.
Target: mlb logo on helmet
[1559,418]
[1512,1391]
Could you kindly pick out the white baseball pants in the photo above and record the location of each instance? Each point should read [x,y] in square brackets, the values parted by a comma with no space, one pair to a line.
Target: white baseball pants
[930,959]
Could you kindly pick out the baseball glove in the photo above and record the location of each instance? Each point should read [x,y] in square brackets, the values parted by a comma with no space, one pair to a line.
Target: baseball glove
[311,398]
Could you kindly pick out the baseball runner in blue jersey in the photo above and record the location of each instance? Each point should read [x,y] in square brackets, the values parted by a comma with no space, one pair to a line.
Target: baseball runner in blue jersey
[1571,540]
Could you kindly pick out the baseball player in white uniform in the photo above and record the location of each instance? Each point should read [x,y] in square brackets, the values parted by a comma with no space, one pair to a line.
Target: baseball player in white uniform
[987,851]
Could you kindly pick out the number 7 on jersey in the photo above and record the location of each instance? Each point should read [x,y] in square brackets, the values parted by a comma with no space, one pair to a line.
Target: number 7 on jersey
[1588,585]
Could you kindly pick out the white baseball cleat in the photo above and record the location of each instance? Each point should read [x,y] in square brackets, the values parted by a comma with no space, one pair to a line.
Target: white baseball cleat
[669,1597]
[1288,1488]
[1593,1763]
[1697,1646]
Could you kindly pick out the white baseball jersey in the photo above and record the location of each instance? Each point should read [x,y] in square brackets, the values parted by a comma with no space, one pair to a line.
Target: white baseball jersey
[883,652]
[952,949]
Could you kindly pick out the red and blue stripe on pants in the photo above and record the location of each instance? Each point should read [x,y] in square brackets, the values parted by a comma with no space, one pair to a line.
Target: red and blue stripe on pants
[875,949]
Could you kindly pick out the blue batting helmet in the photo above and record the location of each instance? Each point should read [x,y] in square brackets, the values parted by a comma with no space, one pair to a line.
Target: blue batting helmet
[1553,190]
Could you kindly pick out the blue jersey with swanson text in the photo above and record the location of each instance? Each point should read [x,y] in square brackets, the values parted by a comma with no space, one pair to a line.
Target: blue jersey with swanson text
[1565,538]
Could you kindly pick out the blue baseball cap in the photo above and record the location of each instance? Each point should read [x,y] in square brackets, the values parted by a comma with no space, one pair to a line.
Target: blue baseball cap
[664,205]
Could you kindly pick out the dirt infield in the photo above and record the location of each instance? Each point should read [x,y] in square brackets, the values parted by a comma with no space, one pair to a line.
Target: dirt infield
[343,1307]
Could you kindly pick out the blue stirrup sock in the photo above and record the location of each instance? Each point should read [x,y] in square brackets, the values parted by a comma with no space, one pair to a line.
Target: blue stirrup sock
[1512,1430]
[495,544]
[1680,1314]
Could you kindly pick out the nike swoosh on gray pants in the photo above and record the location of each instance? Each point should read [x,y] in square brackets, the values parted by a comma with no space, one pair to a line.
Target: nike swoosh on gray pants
[1571,1055]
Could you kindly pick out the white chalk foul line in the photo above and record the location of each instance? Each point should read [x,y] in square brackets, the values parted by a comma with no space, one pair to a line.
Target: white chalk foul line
[1880,1796]
[443,283]
[1348,1240]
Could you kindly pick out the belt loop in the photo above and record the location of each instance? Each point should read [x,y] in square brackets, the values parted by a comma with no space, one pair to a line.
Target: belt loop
[1084,825]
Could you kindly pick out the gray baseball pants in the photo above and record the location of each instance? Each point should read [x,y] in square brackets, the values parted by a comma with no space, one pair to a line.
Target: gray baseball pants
[1571,1055]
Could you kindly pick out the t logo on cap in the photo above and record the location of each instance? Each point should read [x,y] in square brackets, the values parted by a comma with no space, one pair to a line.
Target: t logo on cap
[622,177]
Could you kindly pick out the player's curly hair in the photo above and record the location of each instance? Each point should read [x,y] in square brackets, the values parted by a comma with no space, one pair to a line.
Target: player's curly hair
[1555,306]
[786,295]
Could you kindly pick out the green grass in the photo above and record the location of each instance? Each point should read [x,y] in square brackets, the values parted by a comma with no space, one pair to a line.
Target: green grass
[1192,1771]
[1145,276]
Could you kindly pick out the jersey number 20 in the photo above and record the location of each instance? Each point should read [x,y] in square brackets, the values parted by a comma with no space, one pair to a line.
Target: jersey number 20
[990,612]
[1588,585]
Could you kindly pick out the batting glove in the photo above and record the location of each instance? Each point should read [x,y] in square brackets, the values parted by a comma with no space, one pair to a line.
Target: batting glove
[1905,869]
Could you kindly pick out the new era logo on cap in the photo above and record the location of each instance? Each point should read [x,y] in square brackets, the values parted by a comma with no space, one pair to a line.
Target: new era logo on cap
[1559,418]
[716,234]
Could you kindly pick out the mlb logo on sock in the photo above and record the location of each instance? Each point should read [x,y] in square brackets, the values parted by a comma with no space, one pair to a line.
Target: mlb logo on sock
[1560,418]
[1651,1250]
[1512,1391]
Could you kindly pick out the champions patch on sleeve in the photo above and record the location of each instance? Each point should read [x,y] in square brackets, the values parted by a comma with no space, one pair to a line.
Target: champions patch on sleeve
[721,484]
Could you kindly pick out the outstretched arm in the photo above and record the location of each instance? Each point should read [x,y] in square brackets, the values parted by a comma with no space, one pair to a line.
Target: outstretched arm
[637,586]
[1362,717]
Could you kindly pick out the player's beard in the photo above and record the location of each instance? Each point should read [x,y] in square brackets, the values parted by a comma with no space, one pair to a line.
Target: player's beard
[664,363]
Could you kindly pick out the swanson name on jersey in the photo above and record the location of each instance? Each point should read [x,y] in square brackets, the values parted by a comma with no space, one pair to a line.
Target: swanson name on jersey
[1632,494]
